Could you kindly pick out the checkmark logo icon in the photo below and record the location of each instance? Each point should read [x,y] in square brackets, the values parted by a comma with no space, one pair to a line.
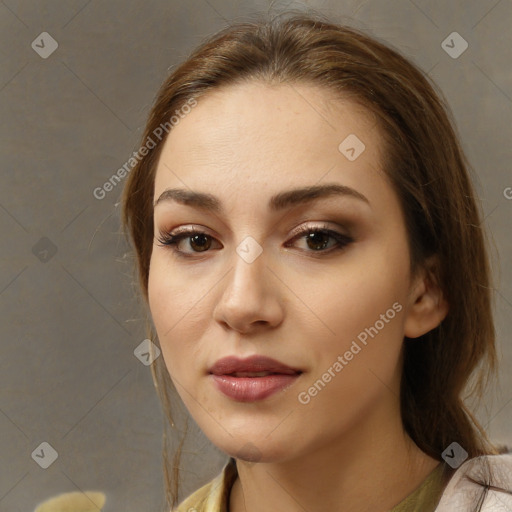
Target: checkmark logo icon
[44,45]
[454,45]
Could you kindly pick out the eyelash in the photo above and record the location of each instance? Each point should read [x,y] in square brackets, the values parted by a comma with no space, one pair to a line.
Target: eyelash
[171,240]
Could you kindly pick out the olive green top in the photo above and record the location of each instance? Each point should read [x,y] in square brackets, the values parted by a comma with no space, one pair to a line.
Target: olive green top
[214,496]
[426,497]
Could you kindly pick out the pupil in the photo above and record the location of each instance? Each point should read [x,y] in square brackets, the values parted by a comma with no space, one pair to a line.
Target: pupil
[201,245]
[313,238]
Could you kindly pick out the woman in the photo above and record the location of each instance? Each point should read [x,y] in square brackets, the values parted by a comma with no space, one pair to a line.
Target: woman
[305,227]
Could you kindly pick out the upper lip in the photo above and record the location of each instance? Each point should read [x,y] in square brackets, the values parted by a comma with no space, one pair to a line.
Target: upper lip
[256,363]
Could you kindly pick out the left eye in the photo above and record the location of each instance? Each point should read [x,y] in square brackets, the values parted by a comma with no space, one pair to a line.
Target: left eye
[316,238]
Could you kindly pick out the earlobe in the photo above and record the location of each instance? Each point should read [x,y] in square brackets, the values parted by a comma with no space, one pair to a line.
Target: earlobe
[427,307]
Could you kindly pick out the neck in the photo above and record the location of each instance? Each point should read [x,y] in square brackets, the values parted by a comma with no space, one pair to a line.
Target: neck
[371,467]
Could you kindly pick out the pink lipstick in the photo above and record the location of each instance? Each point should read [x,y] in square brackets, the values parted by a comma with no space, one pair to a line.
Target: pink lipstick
[251,379]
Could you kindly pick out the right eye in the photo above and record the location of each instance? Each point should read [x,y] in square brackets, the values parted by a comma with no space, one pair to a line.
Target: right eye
[198,240]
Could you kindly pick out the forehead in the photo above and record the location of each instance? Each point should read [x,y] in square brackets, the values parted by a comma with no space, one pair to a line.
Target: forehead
[254,134]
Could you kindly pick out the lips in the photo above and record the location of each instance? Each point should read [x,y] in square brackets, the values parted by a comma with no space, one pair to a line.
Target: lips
[252,379]
[254,366]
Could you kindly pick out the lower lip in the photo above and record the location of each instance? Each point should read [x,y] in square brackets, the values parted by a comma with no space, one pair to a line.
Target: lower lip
[252,389]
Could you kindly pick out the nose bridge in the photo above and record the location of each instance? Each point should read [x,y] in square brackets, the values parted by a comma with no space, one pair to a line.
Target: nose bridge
[249,266]
[247,297]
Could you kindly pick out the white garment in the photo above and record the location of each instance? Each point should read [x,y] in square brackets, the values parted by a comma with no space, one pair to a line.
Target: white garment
[462,495]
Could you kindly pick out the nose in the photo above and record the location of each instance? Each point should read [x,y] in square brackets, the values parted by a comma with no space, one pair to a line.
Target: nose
[250,299]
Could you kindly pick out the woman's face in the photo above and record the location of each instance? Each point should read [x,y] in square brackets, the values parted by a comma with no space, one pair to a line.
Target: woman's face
[258,281]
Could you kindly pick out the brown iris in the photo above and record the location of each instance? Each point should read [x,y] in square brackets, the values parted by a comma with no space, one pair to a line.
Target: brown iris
[200,242]
[316,238]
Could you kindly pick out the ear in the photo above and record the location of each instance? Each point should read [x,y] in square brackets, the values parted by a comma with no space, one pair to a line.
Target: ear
[427,307]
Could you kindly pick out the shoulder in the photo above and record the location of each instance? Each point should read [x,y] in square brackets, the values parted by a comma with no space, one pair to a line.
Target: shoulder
[481,484]
[198,500]
[212,497]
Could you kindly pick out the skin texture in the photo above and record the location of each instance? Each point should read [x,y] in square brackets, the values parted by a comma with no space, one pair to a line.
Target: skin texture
[346,448]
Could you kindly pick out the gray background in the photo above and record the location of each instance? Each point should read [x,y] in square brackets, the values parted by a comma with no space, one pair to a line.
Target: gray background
[69,319]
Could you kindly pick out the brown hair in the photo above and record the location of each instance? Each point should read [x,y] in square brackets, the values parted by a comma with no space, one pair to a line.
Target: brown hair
[424,162]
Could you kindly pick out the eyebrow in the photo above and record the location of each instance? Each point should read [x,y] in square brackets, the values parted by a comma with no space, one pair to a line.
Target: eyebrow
[280,201]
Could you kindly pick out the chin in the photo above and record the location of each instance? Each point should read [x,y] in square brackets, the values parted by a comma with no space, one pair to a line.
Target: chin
[259,448]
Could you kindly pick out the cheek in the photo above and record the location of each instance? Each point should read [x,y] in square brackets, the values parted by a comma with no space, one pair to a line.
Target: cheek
[179,309]
[364,310]
[166,306]
[360,292]
[368,332]
[170,295]
[356,367]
